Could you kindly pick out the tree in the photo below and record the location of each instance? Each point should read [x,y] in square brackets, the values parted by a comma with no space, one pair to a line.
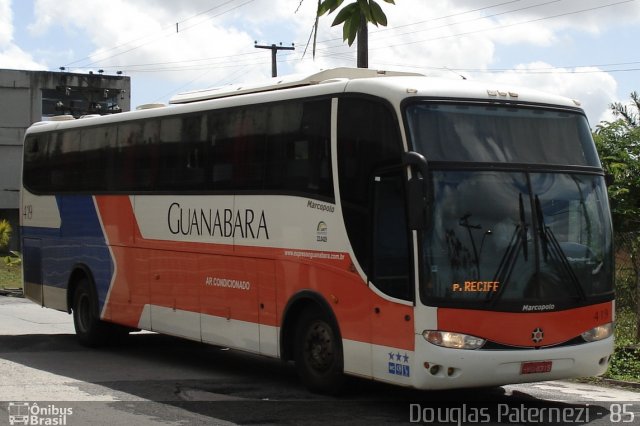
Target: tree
[354,18]
[630,117]
[618,144]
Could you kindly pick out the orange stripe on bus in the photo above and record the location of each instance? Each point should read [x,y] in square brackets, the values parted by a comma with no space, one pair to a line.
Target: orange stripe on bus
[516,328]
[191,277]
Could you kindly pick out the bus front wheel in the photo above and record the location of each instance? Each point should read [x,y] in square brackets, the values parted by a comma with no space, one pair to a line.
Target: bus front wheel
[318,353]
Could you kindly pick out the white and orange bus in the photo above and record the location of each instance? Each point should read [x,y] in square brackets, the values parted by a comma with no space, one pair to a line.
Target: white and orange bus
[412,230]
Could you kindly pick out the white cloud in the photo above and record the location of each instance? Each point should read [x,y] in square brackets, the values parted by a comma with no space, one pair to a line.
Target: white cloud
[450,36]
[11,56]
[135,33]
[215,43]
[594,89]
[6,23]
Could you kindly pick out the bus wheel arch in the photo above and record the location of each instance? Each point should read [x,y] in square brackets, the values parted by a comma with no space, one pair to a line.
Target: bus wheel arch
[79,273]
[83,304]
[311,337]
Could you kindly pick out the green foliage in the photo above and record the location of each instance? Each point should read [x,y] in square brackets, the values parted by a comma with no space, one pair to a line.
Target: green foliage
[625,361]
[352,14]
[10,277]
[618,144]
[14,259]
[5,233]
[630,114]
[350,17]
[625,364]
[625,328]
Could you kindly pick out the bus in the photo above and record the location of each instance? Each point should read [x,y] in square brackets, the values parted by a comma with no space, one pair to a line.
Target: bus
[412,230]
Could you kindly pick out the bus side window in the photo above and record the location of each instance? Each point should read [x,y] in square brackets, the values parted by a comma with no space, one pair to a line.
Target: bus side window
[148,167]
[298,158]
[368,140]
[249,133]
[192,152]
[36,173]
[220,149]
[390,269]
[129,135]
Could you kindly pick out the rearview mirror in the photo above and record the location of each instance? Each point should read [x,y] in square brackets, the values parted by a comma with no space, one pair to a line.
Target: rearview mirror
[417,190]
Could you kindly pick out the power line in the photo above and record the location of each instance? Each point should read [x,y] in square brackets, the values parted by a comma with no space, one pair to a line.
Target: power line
[162,30]
[591,9]
[182,29]
[568,69]
[439,18]
[493,28]
[244,59]
[254,53]
[494,15]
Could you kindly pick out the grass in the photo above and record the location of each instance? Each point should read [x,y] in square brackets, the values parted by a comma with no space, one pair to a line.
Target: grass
[625,362]
[10,276]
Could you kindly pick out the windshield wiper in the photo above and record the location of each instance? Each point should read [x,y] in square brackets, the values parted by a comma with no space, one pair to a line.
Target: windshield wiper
[508,262]
[464,222]
[523,228]
[551,248]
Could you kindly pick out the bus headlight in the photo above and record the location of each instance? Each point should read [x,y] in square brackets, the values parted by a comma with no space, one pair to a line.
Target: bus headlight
[598,333]
[453,340]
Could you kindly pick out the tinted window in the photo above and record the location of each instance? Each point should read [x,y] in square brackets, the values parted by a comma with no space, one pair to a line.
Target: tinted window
[66,158]
[281,148]
[368,141]
[391,266]
[180,153]
[36,170]
[298,157]
[483,133]
[96,143]
[127,154]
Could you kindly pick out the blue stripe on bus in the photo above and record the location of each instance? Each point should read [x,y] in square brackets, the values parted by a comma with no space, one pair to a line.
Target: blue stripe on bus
[79,241]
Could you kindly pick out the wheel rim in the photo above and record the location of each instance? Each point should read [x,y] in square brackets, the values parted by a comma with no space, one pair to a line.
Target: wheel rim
[319,348]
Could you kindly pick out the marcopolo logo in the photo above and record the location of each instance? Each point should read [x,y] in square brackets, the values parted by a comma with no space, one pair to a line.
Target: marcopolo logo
[25,413]
[321,230]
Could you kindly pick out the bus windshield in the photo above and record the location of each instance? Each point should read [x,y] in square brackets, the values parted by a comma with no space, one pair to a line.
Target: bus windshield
[504,134]
[510,239]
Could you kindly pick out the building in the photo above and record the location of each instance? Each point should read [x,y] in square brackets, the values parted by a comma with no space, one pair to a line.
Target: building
[30,96]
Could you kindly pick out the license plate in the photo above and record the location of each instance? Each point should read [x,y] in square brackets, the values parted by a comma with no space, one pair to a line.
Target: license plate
[535,367]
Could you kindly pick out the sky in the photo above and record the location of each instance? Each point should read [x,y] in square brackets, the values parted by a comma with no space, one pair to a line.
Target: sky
[582,49]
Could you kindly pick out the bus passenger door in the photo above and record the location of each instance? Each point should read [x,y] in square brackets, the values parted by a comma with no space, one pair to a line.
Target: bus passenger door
[391,279]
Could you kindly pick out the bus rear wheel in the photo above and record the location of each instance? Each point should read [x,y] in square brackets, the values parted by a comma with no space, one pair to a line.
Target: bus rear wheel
[91,331]
[318,353]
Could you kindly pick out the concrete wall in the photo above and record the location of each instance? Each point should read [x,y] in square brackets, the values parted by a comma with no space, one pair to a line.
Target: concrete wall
[21,105]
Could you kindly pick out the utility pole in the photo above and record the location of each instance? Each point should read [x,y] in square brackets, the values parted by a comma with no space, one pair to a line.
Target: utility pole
[274,50]
[363,43]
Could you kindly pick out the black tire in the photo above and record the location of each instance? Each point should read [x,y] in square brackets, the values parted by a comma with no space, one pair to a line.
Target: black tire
[318,353]
[91,331]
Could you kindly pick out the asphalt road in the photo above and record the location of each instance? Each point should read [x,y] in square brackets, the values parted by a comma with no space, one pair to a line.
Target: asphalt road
[151,379]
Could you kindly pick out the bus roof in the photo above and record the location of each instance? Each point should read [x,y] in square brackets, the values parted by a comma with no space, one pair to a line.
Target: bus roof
[285,82]
[391,85]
